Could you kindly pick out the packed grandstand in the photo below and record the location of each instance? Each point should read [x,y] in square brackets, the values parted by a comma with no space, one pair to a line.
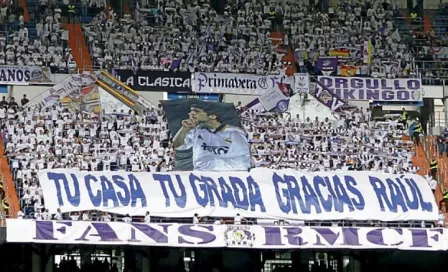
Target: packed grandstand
[315,159]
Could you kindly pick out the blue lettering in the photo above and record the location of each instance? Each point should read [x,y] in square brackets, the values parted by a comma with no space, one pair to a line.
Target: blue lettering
[411,204]
[426,206]
[310,197]
[180,199]
[255,195]
[201,200]
[327,204]
[212,190]
[294,238]
[206,236]
[75,198]
[119,181]
[281,193]
[342,195]
[136,191]
[399,195]
[272,236]
[359,203]
[94,198]
[226,193]
[108,192]
[294,193]
[380,191]
[240,193]
[396,196]
[336,202]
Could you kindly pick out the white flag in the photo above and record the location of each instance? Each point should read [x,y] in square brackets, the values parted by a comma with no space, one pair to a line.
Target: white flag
[273,98]
[396,35]
[302,83]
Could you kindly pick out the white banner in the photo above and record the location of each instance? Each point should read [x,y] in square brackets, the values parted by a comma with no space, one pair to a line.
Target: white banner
[274,98]
[24,75]
[229,83]
[375,89]
[302,83]
[260,193]
[62,89]
[231,236]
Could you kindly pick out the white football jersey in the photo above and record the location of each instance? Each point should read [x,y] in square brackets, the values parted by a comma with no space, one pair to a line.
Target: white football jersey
[224,150]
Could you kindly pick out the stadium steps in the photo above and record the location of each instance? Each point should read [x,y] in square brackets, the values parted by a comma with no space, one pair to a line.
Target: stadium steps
[26,15]
[277,39]
[427,22]
[8,184]
[429,151]
[78,44]
[31,24]
[32,32]
[427,25]
[126,7]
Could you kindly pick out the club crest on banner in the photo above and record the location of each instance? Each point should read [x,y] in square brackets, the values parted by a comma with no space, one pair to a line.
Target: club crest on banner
[282,105]
[239,236]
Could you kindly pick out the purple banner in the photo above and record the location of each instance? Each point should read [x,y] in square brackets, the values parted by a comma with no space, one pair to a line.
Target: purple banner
[241,236]
[328,98]
[327,64]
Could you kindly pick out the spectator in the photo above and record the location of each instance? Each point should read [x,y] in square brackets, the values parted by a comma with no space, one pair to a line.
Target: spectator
[127,219]
[106,217]
[433,166]
[58,215]
[432,182]
[442,219]
[196,219]
[147,218]
[24,100]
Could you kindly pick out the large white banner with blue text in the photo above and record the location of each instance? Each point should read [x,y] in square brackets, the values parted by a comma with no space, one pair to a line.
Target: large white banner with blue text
[374,89]
[260,193]
[231,236]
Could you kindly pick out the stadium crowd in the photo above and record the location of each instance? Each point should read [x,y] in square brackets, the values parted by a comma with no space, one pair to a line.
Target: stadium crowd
[198,37]
[49,47]
[59,137]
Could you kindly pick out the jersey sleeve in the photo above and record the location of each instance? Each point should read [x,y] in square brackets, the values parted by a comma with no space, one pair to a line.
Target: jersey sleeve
[188,141]
[240,144]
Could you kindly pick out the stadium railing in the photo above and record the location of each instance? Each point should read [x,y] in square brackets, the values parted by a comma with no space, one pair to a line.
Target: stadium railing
[264,222]
[89,68]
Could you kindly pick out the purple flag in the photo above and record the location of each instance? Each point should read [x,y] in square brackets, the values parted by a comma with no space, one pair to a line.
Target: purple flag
[175,64]
[328,98]
[327,64]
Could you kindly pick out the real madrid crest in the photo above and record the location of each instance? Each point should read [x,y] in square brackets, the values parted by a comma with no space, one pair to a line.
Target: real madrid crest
[239,236]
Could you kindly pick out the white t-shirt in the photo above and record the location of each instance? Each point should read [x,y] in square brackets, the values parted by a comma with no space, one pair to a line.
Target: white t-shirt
[237,220]
[20,215]
[58,216]
[433,184]
[195,220]
[147,218]
[441,219]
